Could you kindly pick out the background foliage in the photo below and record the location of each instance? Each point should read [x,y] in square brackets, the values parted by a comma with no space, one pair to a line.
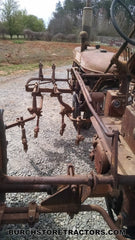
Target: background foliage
[65,24]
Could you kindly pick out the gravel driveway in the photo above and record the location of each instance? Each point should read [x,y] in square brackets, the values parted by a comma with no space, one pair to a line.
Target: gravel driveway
[47,155]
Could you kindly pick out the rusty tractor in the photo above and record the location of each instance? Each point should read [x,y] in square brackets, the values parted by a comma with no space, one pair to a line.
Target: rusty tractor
[103,90]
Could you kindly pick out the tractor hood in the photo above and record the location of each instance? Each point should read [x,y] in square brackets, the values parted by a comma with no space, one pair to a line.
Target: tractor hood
[95,60]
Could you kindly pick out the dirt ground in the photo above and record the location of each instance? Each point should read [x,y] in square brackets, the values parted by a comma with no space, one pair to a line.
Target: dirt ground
[31,51]
[19,55]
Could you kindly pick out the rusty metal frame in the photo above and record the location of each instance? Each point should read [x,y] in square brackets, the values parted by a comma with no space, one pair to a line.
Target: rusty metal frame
[80,187]
[89,180]
[112,134]
[42,81]
[57,202]
[31,214]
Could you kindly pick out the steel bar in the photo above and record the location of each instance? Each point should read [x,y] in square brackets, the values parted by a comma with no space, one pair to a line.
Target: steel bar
[98,75]
[102,136]
[42,209]
[20,214]
[47,180]
[104,215]
[29,85]
[89,180]
[57,79]
[18,122]
[89,101]
[53,73]
[10,188]
[114,159]
[40,71]
[43,81]
[58,180]
[46,79]
[50,90]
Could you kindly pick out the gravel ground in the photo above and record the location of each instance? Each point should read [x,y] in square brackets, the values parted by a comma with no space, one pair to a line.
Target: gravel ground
[47,155]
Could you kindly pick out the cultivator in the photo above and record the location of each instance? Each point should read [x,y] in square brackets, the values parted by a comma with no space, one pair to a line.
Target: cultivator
[103,96]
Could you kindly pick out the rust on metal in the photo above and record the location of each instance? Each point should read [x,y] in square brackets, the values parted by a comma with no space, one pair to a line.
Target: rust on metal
[92,62]
[68,180]
[33,215]
[10,188]
[103,87]
[100,158]
[105,216]
[58,180]
[78,187]
[89,101]
[18,121]
[115,104]
[128,127]
[22,214]
[2,211]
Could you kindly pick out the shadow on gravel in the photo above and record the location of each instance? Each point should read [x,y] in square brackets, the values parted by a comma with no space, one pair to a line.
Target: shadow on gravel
[50,163]
[74,151]
[89,132]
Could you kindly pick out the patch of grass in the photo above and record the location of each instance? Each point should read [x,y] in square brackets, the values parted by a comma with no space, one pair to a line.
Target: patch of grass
[18,41]
[8,69]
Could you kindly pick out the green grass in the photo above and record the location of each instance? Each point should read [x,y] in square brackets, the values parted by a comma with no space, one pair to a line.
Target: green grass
[18,41]
[9,69]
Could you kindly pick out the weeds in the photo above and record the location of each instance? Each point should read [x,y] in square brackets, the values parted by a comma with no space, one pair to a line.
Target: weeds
[18,41]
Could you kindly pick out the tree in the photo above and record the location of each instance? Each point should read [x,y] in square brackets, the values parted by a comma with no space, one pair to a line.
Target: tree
[9,10]
[19,26]
[15,21]
[1,25]
[67,19]
[60,24]
[0,7]
[3,30]
[33,23]
[59,7]
[74,7]
[105,5]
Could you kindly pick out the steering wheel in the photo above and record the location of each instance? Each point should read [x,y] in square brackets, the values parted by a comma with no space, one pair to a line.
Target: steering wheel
[114,7]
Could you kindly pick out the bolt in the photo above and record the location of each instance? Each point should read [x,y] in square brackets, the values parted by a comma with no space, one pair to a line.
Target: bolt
[74,188]
[129,157]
